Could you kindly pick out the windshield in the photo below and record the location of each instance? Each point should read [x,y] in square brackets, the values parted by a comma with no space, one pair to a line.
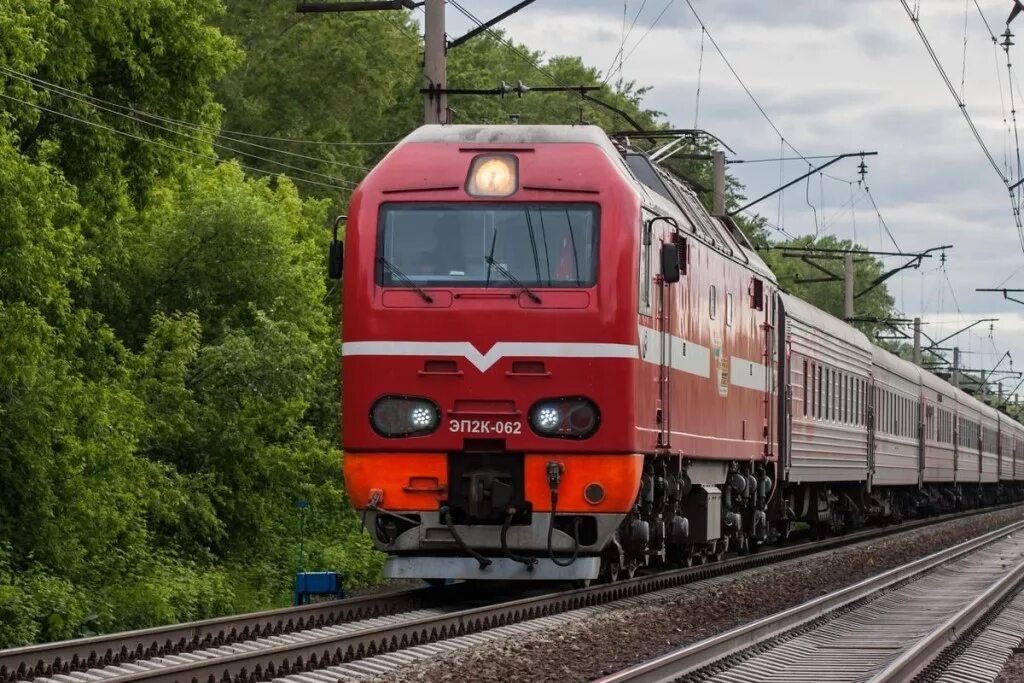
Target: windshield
[489,245]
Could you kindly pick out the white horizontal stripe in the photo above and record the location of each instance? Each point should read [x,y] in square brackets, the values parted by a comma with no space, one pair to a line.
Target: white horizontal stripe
[484,361]
[686,356]
[748,374]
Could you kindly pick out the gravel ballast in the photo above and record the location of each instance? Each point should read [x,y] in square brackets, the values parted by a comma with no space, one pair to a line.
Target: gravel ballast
[1013,672]
[585,649]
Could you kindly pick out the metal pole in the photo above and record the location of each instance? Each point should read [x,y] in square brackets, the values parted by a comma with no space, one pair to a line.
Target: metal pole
[955,378]
[848,285]
[435,103]
[917,342]
[718,167]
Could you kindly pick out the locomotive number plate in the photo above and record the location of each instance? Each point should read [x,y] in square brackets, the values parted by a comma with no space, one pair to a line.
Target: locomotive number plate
[485,426]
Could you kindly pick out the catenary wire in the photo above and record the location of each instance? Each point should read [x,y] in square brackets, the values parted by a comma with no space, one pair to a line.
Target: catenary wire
[134,115]
[161,143]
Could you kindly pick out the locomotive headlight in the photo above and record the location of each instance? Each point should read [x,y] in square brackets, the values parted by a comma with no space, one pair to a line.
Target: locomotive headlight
[547,418]
[398,416]
[493,175]
[573,417]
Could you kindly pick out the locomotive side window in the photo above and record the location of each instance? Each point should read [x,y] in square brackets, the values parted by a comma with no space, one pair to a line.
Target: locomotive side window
[712,302]
[488,244]
[645,266]
[757,294]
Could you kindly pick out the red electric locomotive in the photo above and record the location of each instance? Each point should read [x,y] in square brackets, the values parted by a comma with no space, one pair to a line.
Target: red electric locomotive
[556,363]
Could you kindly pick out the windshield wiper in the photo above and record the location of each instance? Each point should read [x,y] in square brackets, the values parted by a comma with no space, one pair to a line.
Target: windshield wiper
[513,279]
[395,272]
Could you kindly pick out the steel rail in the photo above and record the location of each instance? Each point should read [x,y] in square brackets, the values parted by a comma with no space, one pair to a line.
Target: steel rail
[930,648]
[696,656]
[49,659]
[124,649]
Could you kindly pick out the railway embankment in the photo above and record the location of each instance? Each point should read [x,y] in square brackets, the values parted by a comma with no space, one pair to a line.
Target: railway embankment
[597,644]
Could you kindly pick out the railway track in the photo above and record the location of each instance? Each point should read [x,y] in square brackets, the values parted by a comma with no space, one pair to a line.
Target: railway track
[896,626]
[294,640]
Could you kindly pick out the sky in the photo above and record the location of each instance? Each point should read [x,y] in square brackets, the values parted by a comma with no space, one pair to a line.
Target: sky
[837,77]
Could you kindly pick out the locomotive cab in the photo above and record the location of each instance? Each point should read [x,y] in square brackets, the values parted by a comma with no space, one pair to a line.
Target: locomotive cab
[487,405]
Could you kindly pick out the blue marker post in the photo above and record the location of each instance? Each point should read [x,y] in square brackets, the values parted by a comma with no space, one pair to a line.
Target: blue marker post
[310,584]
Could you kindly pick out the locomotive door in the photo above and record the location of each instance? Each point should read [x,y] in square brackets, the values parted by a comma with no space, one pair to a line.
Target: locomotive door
[662,230]
[772,356]
[657,303]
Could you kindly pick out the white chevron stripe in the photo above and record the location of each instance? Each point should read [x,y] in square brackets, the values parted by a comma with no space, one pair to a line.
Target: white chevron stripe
[484,361]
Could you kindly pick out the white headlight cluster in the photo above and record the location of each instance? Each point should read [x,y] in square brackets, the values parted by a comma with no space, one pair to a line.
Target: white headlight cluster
[574,417]
[398,416]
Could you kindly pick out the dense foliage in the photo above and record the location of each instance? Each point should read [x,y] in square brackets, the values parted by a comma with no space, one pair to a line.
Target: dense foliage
[168,364]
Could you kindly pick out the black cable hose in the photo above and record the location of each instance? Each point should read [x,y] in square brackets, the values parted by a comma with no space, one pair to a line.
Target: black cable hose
[551,531]
[528,561]
[446,517]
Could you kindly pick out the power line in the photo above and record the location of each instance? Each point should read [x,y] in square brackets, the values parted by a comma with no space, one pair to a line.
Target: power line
[881,221]
[195,126]
[501,39]
[161,143]
[952,90]
[646,33]
[804,158]
[767,118]
[700,73]
[739,80]
[134,116]
[625,37]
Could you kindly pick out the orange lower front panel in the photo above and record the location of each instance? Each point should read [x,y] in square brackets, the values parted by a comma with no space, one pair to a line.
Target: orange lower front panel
[419,481]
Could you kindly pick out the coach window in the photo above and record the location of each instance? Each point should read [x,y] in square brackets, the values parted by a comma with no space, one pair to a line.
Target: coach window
[891,412]
[804,379]
[840,403]
[839,396]
[728,309]
[830,394]
[887,409]
[856,401]
[835,395]
[823,387]
[826,382]
[713,302]
[846,397]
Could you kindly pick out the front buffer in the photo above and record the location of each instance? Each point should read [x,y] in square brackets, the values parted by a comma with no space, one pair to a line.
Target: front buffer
[492,515]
